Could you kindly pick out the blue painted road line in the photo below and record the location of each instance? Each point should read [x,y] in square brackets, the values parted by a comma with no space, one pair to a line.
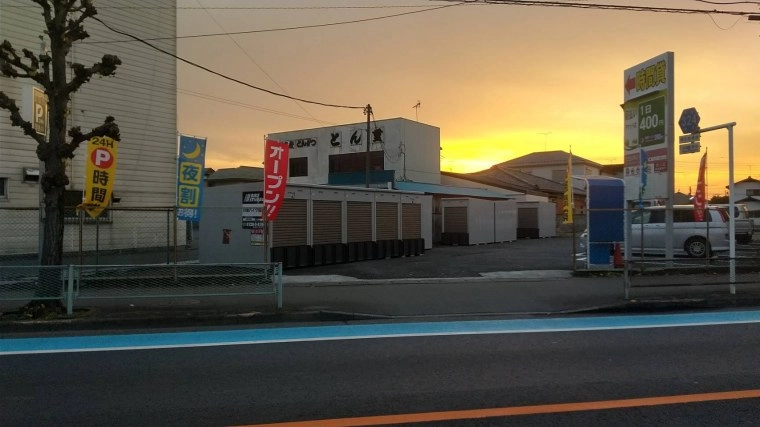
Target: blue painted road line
[364,331]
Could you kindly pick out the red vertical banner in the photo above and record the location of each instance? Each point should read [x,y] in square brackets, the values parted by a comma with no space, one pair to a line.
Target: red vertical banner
[699,195]
[275,176]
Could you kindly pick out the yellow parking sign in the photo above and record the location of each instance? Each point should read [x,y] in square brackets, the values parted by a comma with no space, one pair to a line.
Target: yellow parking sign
[100,174]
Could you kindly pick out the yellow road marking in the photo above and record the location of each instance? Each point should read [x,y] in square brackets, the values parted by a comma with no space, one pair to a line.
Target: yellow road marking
[518,410]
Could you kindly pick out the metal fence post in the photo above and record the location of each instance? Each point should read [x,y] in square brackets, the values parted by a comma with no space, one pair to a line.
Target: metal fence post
[278,285]
[168,225]
[70,292]
[80,212]
[627,252]
[173,216]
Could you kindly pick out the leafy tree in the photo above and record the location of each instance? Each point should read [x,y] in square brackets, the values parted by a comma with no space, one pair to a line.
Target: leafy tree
[718,200]
[63,20]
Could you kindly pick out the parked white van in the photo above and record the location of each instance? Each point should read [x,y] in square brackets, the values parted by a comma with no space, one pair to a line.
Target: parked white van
[689,237]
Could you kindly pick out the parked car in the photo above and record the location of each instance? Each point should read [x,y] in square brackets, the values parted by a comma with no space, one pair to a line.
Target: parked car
[695,239]
[744,227]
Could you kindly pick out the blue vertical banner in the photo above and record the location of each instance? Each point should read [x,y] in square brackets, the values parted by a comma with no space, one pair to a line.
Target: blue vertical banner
[191,160]
[643,173]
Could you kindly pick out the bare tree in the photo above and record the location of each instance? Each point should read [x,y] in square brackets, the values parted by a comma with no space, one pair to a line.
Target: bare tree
[63,21]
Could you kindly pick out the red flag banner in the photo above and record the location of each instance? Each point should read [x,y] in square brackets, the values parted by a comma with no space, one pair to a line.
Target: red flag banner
[699,195]
[275,175]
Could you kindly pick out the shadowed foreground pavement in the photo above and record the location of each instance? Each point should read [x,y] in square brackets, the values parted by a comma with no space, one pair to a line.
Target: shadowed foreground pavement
[518,279]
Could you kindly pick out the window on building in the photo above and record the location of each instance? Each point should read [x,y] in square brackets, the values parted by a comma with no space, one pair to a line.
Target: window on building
[753,191]
[559,175]
[3,188]
[298,166]
[356,162]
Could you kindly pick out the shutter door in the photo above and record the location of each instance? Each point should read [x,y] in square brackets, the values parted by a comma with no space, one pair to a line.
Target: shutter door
[289,229]
[411,217]
[387,220]
[327,221]
[455,219]
[527,217]
[359,221]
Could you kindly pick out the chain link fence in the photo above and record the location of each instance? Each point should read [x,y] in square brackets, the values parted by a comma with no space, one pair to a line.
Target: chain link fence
[73,283]
[700,249]
[32,282]
[124,253]
[118,235]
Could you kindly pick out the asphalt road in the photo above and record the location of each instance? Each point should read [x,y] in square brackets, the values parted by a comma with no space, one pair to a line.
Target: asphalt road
[306,381]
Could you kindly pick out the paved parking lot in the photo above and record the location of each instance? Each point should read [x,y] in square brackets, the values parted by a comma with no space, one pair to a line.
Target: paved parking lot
[555,253]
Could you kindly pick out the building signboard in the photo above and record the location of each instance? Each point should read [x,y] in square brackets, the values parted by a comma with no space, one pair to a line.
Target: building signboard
[253,215]
[648,129]
[40,111]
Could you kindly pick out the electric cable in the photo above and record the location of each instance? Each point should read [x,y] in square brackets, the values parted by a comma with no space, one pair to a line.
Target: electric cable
[224,76]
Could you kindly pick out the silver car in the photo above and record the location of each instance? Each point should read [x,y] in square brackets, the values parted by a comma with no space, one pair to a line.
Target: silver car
[743,225]
[689,236]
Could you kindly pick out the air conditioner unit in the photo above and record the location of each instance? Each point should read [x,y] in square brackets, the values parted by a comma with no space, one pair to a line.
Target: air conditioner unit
[31,174]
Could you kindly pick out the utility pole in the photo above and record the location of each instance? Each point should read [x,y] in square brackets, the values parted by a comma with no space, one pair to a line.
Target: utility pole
[368,112]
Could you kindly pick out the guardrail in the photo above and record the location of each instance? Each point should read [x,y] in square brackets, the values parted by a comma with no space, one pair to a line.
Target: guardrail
[71,283]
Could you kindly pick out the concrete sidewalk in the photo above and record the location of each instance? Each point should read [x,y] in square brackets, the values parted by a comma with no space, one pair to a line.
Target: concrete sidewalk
[343,298]
[531,277]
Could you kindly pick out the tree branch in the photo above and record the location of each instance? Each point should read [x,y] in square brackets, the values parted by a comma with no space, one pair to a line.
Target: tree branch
[45,9]
[74,29]
[10,57]
[106,67]
[11,62]
[9,104]
[109,128]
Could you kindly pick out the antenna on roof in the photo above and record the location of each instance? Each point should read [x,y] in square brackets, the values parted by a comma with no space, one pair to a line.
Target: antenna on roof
[417,110]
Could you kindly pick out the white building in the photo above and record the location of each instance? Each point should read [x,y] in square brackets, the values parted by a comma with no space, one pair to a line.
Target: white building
[748,192]
[142,98]
[403,155]
[399,150]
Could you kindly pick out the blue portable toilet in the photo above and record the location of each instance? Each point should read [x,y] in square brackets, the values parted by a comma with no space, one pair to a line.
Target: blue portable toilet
[605,201]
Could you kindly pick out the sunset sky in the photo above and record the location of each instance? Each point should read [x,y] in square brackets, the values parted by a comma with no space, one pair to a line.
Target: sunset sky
[500,81]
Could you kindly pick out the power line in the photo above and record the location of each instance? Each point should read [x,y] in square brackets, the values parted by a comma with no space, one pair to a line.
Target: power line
[154,86]
[255,63]
[224,76]
[249,106]
[240,7]
[602,6]
[727,3]
[301,27]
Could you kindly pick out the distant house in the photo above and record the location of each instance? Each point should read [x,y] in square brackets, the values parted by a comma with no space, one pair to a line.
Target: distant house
[534,188]
[553,165]
[614,170]
[234,175]
[487,179]
[748,192]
